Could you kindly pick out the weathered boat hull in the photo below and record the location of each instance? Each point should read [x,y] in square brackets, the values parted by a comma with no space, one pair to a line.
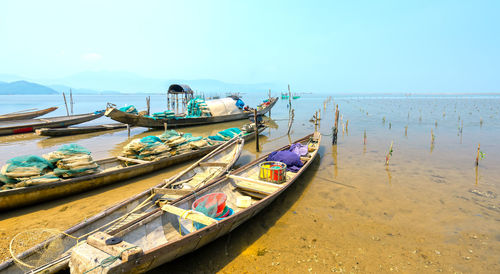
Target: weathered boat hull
[99,221]
[25,126]
[26,115]
[20,197]
[141,121]
[172,249]
[55,132]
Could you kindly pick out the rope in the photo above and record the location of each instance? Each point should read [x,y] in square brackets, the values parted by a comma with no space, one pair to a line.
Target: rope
[109,260]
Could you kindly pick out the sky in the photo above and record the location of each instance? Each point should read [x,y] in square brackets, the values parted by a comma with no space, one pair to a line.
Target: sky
[321,46]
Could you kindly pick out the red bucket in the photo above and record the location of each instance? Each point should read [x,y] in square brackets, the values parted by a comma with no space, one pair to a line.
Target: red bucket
[210,200]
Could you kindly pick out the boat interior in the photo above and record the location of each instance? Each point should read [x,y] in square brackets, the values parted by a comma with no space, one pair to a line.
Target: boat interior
[172,221]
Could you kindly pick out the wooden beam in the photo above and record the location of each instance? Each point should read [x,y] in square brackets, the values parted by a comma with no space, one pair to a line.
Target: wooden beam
[264,183]
[213,164]
[169,191]
[127,251]
[137,161]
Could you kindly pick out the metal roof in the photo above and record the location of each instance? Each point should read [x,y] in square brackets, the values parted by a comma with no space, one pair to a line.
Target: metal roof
[175,88]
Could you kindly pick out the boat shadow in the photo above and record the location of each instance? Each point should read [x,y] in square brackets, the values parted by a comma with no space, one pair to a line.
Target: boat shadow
[216,255]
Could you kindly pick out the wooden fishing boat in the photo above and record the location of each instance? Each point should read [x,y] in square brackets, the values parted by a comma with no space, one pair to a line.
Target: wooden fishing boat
[204,171]
[55,132]
[30,125]
[110,170]
[143,121]
[20,115]
[142,213]
[168,232]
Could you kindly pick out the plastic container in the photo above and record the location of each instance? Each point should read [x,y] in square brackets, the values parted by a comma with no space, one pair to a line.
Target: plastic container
[272,171]
[244,201]
[207,201]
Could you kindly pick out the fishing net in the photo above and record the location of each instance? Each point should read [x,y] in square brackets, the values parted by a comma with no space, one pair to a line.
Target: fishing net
[66,151]
[24,167]
[71,161]
[34,248]
[129,109]
[226,134]
[168,114]
[147,148]
[197,107]
[168,134]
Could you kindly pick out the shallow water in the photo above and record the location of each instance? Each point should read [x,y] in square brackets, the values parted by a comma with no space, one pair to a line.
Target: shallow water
[429,210]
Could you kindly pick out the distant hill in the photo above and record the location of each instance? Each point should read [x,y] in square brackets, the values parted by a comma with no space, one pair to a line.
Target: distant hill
[24,87]
[83,91]
[109,82]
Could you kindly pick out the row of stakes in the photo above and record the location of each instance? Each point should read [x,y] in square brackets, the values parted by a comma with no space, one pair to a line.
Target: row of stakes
[479,155]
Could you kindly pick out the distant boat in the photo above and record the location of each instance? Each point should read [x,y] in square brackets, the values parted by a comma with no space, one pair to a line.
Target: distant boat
[181,121]
[25,114]
[284,96]
[295,96]
[55,132]
[30,125]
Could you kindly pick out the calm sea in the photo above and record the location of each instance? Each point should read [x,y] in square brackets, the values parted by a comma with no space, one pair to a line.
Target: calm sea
[431,209]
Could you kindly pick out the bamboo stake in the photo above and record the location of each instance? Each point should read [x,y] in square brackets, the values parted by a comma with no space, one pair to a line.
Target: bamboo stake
[364,138]
[335,128]
[148,100]
[477,155]
[389,154]
[71,100]
[128,130]
[290,121]
[289,101]
[256,130]
[66,104]
[269,100]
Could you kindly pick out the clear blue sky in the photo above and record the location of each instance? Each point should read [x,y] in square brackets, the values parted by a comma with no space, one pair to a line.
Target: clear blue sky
[341,46]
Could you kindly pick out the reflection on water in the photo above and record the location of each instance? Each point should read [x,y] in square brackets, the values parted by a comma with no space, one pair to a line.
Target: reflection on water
[427,211]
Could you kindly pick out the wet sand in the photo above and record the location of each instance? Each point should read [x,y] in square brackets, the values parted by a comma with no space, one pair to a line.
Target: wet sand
[429,211]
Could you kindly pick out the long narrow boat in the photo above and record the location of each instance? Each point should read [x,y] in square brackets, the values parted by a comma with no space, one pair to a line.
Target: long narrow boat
[143,121]
[56,132]
[204,171]
[168,232]
[20,115]
[30,125]
[111,170]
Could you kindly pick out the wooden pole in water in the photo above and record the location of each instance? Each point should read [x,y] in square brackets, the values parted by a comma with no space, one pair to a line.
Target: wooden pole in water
[165,126]
[148,100]
[269,101]
[128,130]
[335,128]
[290,121]
[389,154]
[256,130]
[66,104]
[71,100]
[364,138]
[477,156]
[289,101]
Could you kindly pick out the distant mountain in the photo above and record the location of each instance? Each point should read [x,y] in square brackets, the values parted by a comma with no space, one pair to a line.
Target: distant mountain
[83,91]
[24,87]
[133,83]
[109,82]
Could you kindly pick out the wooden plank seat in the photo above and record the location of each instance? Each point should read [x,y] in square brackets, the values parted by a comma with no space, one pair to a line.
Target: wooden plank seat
[126,251]
[254,185]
